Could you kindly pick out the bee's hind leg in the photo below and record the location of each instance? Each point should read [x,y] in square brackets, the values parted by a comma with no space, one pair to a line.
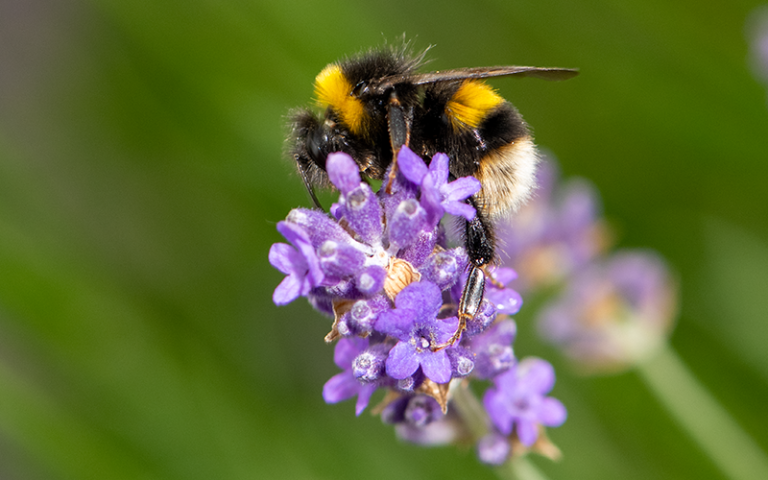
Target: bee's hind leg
[480,249]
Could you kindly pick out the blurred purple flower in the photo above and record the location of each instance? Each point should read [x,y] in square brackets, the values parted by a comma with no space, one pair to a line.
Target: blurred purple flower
[493,349]
[557,232]
[518,400]
[757,33]
[419,419]
[613,313]
[493,449]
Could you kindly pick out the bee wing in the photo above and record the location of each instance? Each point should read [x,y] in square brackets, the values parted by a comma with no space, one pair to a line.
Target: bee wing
[485,72]
[476,73]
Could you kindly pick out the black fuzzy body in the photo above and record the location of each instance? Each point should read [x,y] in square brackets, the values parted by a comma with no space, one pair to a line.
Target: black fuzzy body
[431,131]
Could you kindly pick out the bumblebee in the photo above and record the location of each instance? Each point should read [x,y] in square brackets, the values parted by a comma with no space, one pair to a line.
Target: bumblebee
[377,102]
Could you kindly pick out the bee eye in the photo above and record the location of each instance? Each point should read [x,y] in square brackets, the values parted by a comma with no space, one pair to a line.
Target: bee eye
[316,144]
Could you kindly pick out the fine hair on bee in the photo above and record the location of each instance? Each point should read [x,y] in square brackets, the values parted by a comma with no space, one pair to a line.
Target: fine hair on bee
[376,102]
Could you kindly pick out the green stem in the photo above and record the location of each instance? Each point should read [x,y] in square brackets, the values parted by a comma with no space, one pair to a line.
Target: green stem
[524,469]
[471,411]
[519,468]
[699,413]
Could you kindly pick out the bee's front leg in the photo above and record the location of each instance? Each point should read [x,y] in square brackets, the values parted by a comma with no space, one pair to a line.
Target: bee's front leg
[399,120]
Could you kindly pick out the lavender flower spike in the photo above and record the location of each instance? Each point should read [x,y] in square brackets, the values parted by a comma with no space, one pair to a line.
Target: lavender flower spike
[613,313]
[381,266]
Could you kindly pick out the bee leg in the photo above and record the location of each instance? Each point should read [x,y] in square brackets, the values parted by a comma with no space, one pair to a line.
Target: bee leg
[310,188]
[493,281]
[471,298]
[311,134]
[479,244]
[399,121]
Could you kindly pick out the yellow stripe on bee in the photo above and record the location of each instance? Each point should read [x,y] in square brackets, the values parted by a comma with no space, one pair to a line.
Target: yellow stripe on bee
[471,103]
[333,90]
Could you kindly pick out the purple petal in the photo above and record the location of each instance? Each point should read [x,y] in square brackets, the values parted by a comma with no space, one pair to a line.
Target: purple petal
[496,405]
[369,366]
[535,376]
[402,361]
[580,205]
[445,328]
[289,290]
[423,298]
[484,318]
[438,169]
[551,412]
[507,301]
[340,387]
[343,172]
[504,275]
[397,323]
[431,200]
[364,313]
[461,189]
[460,209]
[433,434]
[494,351]
[299,238]
[315,275]
[363,397]
[436,366]
[506,383]
[493,449]
[286,259]
[347,349]
[402,189]
[422,247]
[422,410]
[527,431]
[292,232]
[462,361]
[411,165]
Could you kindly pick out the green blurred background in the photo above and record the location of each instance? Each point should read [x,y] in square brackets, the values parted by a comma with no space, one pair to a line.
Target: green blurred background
[142,175]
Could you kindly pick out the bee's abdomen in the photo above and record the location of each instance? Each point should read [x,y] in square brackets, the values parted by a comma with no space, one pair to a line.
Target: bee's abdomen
[508,176]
